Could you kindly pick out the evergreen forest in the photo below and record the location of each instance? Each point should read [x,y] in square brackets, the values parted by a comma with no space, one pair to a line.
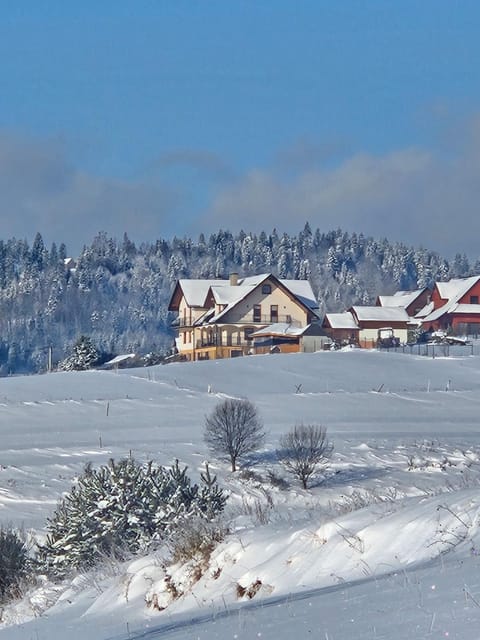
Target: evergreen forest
[117,293]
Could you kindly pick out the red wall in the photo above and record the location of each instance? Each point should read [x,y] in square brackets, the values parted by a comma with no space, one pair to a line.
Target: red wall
[465,318]
[436,299]
[474,291]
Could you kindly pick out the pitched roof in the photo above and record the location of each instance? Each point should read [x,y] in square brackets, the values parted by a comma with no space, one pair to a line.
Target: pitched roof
[306,289]
[229,294]
[380,314]
[455,288]
[466,308]
[196,292]
[302,290]
[400,298]
[239,292]
[341,320]
[452,291]
[279,329]
[121,358]
[428,308]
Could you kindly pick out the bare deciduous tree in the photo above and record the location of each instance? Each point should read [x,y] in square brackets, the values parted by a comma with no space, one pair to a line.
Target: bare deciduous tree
[233,429]
[303,450]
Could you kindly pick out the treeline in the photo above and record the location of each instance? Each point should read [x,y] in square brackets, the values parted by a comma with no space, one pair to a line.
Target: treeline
[117,292]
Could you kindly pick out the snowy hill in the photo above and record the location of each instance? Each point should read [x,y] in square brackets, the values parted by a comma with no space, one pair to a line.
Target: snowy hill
[385,545]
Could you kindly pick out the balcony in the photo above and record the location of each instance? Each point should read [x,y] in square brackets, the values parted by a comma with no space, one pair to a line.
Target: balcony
[201,344]
[228,342]
[251,320]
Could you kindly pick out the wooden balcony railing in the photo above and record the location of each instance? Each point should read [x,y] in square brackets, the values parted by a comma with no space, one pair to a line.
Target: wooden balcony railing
[234,342]
[251,319]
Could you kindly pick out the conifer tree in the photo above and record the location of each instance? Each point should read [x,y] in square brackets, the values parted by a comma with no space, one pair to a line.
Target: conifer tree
[124,507]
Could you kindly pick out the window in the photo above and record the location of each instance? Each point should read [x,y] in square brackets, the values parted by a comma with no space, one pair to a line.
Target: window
[257,313]
[288,318]
[473,299]
[274,313]
[266,288]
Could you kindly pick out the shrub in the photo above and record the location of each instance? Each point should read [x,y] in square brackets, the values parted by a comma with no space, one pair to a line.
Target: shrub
[14,563]
[122,508]
[276,480]
[195,540]
[303,450]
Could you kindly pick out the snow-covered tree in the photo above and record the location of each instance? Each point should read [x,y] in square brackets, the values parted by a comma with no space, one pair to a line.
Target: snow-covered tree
[14,562]
[84,356]
[127,288]
[122,508]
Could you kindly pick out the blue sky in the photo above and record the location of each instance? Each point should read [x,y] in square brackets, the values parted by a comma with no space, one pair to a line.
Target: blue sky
[161,118]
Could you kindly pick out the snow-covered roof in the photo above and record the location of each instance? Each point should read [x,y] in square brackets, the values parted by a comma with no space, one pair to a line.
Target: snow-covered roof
[400,298]
[303,291]
[238,292]
[452,291]
[195,291]
[428,308]
[451,288]
[466,308]
[380,314]
[280,329]
[229,294]
[341,320]
[252,281]
[121,358]
[456,287]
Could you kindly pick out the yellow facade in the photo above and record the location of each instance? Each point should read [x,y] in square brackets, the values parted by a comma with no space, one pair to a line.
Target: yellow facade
[228,336]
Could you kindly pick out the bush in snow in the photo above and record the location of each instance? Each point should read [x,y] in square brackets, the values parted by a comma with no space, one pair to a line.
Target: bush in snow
[196,540]
[14,563]
[84,356]
[122,508]
[303,450]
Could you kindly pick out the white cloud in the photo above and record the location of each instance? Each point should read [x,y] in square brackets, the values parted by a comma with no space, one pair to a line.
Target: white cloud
[414,195]
[40,190]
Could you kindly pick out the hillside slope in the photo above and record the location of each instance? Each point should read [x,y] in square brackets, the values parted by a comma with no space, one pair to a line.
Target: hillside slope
[383,545]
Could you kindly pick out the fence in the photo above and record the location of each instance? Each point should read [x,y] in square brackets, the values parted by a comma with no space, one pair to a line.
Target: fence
[437,350]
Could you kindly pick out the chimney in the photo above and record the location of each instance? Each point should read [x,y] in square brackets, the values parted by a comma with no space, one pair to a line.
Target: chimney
[234,279]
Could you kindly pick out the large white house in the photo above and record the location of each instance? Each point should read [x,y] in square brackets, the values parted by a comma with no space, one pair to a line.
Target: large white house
[216,318]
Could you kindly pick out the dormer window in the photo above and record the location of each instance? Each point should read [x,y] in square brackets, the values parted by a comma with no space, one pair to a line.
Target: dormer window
[266,289]
[473,299]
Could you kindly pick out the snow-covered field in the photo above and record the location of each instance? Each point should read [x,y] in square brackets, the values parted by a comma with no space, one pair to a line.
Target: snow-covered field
[386,545]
